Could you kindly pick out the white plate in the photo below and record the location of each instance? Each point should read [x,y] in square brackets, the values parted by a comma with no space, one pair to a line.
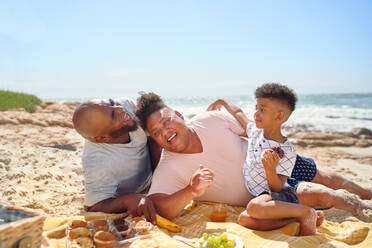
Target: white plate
[238,241]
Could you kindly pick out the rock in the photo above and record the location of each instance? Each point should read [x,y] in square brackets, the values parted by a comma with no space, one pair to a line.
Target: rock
[361,131]
[298,142]
[6,120]
[362,143]
[54,114]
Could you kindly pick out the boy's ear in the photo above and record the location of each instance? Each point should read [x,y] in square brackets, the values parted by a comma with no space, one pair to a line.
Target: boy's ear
[179,115]
[281,116]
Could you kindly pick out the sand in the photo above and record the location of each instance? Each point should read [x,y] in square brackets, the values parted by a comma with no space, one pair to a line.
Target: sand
[40,161]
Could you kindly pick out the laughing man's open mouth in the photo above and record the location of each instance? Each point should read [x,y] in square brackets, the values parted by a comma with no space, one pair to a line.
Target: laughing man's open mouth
[171,137]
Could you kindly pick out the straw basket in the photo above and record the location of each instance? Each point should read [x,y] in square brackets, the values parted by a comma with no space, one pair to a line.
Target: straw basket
[20,227]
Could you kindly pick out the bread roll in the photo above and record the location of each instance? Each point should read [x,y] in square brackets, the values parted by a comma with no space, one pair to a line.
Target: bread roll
[104,239]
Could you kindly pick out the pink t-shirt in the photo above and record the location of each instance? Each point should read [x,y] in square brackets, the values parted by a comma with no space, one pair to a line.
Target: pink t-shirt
[224,152]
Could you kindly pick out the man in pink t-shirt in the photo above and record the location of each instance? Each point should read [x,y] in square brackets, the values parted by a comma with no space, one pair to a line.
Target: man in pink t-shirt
[210,139]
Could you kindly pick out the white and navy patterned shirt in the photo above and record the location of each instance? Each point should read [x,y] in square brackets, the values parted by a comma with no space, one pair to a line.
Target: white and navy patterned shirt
[253,169]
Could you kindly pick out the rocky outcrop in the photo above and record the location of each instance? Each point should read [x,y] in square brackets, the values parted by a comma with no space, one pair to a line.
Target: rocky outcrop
[55,114]
[49,127]
[360,137]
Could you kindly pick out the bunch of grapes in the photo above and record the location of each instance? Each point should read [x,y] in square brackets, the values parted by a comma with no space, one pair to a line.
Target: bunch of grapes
[216,241]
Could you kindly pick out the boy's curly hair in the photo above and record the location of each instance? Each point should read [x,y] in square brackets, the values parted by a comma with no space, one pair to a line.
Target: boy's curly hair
[147,104]
[279,92]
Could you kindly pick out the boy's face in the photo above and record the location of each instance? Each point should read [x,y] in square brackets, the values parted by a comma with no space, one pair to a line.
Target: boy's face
[266,115]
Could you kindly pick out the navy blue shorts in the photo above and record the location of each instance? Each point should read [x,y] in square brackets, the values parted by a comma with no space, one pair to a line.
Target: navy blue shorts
[303,170]
[287,194]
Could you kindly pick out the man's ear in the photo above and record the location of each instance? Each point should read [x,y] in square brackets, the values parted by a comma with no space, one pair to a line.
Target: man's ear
[179,115]
[102,139]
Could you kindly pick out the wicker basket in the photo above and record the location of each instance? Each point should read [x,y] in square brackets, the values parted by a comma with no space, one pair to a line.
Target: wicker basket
[20,227]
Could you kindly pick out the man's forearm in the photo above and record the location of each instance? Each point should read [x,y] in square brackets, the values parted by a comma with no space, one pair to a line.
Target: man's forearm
[169,206]
[111,205]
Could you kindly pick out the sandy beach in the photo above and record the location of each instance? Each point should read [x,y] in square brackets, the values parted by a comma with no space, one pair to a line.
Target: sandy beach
[40,165]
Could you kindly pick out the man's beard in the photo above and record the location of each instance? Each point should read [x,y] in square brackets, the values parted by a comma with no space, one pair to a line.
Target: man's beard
[123,130]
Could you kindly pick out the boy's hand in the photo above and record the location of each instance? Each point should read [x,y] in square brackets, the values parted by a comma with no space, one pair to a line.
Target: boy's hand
[279,151]
[216,105]
[269,159]
[201,180]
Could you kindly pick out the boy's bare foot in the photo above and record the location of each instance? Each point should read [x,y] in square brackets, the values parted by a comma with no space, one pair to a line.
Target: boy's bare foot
[320,217]
[308,223]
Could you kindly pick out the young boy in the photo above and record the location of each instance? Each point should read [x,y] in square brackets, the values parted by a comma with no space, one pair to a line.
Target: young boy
[270,160]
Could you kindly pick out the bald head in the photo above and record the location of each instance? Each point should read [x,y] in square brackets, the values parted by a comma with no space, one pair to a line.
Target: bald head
[83,119]
[103,121]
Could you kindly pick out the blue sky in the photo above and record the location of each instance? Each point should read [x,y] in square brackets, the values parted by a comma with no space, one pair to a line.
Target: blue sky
[82,49]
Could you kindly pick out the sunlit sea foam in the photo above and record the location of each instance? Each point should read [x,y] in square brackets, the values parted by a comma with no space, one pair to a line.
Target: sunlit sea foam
[331,118]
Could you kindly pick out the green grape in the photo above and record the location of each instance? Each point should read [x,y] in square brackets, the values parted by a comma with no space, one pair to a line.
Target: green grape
[223,236]
[230,244]
[218,239]
[205,236]
[212,239]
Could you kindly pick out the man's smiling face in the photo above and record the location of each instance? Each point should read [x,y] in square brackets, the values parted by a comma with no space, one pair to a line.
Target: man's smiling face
[113,120]
[168,129]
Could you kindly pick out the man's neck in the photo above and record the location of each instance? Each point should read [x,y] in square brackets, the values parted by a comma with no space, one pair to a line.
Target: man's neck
[195,145]
[124,139]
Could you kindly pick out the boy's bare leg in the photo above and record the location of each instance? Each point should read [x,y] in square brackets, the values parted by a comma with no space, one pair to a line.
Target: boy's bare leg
[267,225]
[264,208]
[261,224]
[327,198]
[336,181]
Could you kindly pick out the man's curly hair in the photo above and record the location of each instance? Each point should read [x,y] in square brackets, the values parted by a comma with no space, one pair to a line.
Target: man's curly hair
[147,104]
[279,92]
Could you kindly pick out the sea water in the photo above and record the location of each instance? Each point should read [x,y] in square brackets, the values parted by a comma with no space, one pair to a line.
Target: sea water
[320,112]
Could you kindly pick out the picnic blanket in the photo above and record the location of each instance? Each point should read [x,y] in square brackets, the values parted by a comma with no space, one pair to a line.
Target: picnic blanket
[195,220]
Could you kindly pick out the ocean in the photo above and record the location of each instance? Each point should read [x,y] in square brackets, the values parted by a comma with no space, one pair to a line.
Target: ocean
[318,112]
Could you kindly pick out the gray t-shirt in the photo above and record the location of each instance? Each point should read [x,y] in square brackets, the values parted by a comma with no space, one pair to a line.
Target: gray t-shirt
[112,170]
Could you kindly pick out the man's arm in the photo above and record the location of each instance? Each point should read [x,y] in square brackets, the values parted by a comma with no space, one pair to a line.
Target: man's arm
[155,152]
[234,110]
[169,206]
[136,204]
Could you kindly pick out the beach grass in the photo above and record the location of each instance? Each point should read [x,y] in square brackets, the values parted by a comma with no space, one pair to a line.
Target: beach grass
[14,100]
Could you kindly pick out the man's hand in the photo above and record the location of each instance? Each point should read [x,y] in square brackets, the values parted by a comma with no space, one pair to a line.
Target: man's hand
[201,180]
[216,105]
[138,205]
[269,159]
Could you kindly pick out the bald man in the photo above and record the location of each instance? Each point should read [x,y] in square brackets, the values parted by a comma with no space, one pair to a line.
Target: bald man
[116,157]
